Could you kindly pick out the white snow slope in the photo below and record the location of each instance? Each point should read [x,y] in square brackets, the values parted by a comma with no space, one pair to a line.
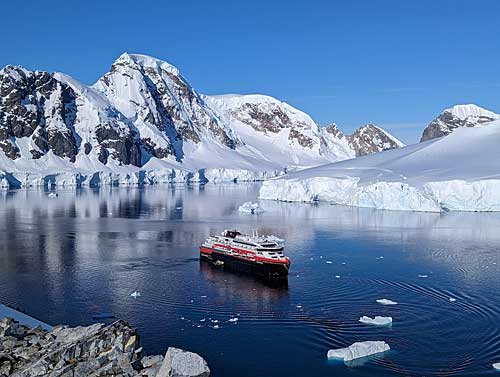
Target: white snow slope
[144,105]
[459,172]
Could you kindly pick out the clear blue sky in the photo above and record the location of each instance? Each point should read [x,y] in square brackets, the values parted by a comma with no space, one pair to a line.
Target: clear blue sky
[394,63]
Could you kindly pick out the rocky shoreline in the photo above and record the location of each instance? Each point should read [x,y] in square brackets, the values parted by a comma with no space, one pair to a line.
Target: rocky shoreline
[96,350]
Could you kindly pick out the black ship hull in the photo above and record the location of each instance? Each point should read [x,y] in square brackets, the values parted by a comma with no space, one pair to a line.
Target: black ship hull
[263,269]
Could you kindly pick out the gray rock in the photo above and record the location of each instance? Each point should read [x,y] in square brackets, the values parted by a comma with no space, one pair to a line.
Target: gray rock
[149,361]
[180,363]
[448,121]
[371,139]
[96,350]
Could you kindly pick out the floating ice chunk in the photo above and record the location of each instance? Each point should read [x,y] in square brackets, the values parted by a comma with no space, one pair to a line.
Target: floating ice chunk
[496,366]
[234,320]
[279,241]
[329,262]
[385,301]
[358,349]
[378,320]
[249,207]
[423,276]
[135,294]
[452,299]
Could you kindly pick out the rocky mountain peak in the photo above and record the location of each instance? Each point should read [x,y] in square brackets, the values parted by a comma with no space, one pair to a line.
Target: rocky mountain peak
[333,129]
[167,111]
[372,139]
[469,115]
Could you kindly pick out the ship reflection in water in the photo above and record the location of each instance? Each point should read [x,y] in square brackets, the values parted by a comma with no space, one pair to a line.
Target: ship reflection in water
[245,285]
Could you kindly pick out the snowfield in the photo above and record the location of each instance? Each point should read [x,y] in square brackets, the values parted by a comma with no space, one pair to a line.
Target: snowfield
[459,172]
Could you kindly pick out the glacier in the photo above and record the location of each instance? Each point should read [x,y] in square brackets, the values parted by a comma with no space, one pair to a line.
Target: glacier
[457,172]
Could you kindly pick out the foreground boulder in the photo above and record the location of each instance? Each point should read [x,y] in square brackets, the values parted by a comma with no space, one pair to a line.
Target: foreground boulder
[96,350]
[180,363]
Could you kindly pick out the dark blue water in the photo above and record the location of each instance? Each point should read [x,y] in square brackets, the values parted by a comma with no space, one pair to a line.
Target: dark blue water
[68,259]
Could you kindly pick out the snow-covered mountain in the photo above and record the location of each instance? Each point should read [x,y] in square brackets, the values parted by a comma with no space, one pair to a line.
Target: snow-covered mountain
[435,175]
[142,121]
[455,117]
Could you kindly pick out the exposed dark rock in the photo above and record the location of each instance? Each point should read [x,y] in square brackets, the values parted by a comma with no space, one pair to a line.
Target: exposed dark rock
[334,130]
[87,148]
[447,122]
[371,139]
[33,103]
[303,140]
[273,120]
[96,350]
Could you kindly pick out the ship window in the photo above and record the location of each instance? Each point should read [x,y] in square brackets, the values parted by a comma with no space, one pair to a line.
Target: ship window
[243,243]
[268,245]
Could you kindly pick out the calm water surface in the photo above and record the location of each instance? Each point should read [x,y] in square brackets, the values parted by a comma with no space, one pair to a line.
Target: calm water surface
[69,259]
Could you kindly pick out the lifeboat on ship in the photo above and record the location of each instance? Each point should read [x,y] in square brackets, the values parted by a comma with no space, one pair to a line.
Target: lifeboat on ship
[261,255]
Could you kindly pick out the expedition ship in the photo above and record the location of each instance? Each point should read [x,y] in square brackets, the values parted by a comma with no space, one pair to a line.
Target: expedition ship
[262,255]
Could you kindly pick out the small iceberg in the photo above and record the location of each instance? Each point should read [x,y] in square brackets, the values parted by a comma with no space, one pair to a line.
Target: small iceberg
[358,349]
[385,301]
[378,320]
[249,207]
[135,294]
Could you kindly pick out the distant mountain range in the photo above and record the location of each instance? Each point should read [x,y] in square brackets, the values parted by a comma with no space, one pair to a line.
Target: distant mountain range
[143,122]
[143,115]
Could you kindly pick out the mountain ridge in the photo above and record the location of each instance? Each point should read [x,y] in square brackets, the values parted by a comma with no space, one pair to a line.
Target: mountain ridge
[143,113]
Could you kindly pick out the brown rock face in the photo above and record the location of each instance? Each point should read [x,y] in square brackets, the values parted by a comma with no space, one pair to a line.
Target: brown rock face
[371,139]
[35,104]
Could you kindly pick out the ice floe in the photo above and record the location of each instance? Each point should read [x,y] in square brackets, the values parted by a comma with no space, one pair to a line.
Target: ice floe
[249,207]
[385,301]
[378,320]
[358,349]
